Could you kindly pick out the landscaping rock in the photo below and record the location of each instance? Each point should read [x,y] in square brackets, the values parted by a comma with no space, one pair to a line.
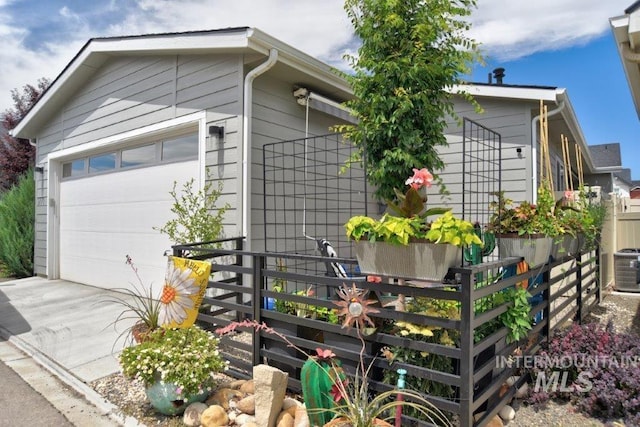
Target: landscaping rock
[244,419]
[285,420]
[270,389]
[301,418]
[235,385]
[523,391]
[507,413]
[214,416]
[248,387]
[247,405]
[289,402]
[222,396]
[193,413]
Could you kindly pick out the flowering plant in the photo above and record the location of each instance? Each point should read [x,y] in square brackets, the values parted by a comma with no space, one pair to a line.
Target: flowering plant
[411,223]
[185,357]
[525,218]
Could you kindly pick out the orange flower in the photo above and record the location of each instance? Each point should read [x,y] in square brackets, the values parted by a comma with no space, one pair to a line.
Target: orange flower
[354,307]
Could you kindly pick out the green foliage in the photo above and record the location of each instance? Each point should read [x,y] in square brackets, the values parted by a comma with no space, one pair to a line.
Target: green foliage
[17,217]
[517,317]
[526,218]
[197,219]
[401,230]
[412,53]
[185,357]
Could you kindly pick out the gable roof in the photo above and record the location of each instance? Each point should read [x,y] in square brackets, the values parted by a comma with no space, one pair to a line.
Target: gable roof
[242,40]
[606,155]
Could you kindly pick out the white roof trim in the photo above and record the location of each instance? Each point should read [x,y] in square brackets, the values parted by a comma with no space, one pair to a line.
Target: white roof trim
[96,51]
[626,30]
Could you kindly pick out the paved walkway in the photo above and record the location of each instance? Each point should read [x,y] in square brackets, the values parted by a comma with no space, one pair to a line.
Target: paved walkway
[58,336]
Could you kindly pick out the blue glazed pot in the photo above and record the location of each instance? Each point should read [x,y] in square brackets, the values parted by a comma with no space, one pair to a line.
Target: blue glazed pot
[164,399]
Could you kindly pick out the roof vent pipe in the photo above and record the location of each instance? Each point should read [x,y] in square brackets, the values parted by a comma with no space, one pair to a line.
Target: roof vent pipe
[498,74]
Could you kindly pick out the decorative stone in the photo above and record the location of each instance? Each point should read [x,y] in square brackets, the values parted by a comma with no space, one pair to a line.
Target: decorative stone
[507,413]
[249,424]
[270,389]
[512,380]
[496,421]
[522,391]
[290,410]
[301,418]
[222,396]
[244,419]
[193,413]
[285,420]
[214,416]
[248,387]
[235,385]
[289,402]
[247,405]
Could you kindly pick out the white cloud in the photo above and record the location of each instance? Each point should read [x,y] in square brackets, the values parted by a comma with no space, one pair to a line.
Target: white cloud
[506,29]
[514,29]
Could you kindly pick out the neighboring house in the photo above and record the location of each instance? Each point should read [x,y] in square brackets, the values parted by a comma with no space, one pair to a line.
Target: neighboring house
[129,115]
[626,31]
[635,189]
[613,179]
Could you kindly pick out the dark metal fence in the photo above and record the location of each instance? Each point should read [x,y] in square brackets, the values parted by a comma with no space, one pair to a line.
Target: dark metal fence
[472,366]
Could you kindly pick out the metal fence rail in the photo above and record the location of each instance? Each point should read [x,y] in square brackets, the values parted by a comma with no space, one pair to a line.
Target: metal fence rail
[242,286]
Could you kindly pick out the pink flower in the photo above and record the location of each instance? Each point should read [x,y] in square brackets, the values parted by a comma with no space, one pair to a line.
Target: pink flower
[337,392]
[325,354]
[421,178]
[568,195]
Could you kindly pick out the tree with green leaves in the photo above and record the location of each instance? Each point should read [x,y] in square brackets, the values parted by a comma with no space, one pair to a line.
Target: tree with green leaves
[16,155]
[412,53]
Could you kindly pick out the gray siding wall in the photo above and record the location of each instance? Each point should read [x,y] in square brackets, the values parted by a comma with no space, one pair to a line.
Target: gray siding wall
[512,120]
[278,117]
[128,93]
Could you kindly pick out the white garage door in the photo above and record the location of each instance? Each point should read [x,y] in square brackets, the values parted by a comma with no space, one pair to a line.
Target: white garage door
[106,217]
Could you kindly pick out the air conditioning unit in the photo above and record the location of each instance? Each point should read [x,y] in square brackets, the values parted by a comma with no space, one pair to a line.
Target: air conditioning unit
[627,269]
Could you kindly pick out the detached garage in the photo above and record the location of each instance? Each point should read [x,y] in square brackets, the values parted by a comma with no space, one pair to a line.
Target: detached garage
[129,116]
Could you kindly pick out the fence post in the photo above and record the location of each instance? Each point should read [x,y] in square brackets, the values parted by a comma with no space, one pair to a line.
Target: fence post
[258,279]
[466,347]
[239,246]
[579,289]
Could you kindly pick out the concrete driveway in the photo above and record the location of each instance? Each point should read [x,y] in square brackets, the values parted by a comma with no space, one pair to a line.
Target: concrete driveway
[66,324]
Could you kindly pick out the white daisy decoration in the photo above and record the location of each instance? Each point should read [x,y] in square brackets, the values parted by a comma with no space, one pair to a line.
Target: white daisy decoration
[177,295]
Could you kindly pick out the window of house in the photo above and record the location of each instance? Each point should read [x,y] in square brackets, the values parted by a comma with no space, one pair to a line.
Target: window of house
[101,163]
[180,148]
[73,168]
[138,156]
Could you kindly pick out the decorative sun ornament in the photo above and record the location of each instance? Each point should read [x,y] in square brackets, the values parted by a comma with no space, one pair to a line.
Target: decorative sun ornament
[355,307]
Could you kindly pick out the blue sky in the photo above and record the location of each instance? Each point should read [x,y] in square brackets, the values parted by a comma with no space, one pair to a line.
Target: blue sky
[563,43]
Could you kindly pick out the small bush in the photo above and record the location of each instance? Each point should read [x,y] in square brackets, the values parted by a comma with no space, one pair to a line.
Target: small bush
[17,216]
[609,361]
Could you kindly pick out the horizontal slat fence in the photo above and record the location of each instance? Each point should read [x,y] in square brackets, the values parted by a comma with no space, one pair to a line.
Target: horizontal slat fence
[242,286]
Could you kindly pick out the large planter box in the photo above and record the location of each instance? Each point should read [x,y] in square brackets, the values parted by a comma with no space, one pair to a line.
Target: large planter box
[565,246]
[419,260]
[534,249]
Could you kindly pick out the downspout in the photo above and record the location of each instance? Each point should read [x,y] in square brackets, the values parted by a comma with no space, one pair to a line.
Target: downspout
[534,151]
[246,142]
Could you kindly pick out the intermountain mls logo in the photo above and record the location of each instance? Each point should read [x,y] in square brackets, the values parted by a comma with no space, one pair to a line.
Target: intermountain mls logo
[567,374]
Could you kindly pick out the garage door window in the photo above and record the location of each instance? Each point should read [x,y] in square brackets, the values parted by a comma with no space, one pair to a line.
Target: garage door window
[102,163]
[74,168]
[184,147]
[181,148]
[138,156]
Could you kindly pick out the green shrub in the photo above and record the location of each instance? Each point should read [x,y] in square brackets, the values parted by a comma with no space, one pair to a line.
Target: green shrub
[17,216]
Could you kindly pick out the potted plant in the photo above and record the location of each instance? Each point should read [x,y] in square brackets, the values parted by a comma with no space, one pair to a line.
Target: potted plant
[140,305]
[407,244]
[526,230]
[176,366]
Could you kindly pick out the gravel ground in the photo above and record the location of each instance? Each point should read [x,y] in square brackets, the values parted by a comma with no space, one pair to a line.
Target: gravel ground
[622,308]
